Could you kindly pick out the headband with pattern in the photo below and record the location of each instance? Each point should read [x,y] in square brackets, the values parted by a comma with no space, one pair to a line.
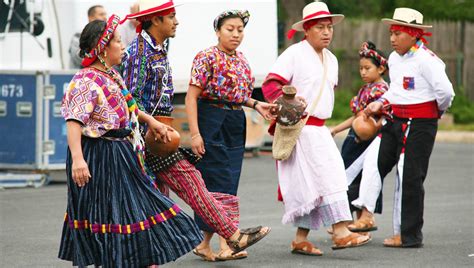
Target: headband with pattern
[366,52]
[243,14]
[91,56]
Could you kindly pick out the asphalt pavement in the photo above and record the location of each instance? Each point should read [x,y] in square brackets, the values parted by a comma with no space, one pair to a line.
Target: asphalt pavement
[31,222]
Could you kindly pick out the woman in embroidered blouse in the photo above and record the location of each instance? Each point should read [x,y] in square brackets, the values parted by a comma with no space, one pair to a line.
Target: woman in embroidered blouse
[115,216]
[356,153]
[221,83]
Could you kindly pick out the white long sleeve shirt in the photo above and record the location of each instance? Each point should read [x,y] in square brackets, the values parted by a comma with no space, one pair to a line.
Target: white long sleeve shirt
[417,78]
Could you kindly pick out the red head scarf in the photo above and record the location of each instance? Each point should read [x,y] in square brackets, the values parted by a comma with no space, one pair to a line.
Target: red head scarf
[416,32]
[107,35]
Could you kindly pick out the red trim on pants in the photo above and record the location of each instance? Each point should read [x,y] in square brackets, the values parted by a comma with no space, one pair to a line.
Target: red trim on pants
[186,181]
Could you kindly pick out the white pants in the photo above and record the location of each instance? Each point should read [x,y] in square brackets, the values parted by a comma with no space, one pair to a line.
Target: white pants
[371,182]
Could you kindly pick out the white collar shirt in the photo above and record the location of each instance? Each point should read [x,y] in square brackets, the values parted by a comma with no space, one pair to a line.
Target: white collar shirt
[418,77]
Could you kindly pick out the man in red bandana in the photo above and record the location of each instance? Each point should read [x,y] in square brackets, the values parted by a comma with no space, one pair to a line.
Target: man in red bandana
[420,92]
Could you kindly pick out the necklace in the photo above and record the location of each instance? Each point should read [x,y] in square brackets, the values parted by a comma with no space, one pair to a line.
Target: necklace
[137,140]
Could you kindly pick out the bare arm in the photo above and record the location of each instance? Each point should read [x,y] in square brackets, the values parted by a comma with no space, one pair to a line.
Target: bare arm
[80,170]
[197,143]
[342,126]
[263,108]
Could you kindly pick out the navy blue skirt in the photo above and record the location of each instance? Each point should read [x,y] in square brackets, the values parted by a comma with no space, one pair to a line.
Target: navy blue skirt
[351,151]
[119,219]
[223,132]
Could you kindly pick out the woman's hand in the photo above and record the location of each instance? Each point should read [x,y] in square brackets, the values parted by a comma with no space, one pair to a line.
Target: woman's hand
[267,110]
[197,145]
[333,132]
[159,130]
[80,172]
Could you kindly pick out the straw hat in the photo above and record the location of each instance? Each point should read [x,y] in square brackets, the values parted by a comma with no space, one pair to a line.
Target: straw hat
[316,10]
[407,17]
[148,7]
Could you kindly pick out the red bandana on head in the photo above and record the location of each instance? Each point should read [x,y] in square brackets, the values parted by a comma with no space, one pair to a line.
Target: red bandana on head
[418,33]
[107,35]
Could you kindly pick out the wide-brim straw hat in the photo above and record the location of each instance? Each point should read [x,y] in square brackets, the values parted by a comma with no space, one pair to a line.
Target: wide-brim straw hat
[148,7]
[316,10]
[407,17]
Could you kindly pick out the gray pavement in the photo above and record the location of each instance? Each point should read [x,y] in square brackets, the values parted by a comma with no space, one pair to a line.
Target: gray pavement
[31,221]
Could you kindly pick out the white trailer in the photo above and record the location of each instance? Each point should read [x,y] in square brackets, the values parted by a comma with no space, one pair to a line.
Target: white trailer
[34,68]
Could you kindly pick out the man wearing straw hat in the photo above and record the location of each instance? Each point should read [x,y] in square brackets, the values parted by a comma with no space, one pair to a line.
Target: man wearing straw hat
[420,92]
[313,180]
[147,74]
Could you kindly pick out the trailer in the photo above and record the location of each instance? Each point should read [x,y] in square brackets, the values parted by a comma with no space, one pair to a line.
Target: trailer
[34,42]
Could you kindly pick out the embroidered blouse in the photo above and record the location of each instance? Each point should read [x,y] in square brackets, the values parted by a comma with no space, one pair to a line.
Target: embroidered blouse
[223,77]
[147,74]
[86,102]
[368,93]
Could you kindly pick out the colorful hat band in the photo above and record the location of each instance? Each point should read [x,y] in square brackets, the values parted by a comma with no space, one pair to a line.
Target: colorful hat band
[148,14]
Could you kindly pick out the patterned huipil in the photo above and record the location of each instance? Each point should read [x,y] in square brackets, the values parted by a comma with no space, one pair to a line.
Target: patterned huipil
[368,93]
[85,102]
[224,78]
[147,74]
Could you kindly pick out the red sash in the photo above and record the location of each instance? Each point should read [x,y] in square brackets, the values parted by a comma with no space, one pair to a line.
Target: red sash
[419,110]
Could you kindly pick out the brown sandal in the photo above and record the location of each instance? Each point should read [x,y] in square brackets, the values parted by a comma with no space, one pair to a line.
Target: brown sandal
[305,248]
[211,257]
[254,236]
[393,242]
[349,241]
[221,256]
[362,225]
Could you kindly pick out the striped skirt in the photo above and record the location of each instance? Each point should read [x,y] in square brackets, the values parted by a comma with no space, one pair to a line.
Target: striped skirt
[119,219]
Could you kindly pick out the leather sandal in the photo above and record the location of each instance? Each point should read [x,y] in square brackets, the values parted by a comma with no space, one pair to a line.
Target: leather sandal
[222,256]
[254,235]
[362,225]
[305,248]
[349,241]
[210,257]
[393,242]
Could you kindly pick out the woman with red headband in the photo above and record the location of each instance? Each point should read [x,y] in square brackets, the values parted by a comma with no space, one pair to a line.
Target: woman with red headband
[115,216]
[420,92]
[312,180]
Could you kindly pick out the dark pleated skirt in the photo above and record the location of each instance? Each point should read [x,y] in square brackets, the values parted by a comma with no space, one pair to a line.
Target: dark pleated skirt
[223,132]
[119,219]
[351,151]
